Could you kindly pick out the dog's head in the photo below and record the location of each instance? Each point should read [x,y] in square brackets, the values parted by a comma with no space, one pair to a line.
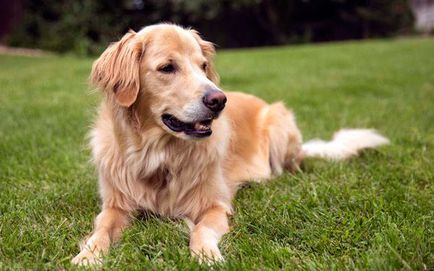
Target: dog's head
[167,70]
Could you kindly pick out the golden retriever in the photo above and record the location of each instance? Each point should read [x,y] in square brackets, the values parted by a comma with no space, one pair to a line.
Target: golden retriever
[168,140]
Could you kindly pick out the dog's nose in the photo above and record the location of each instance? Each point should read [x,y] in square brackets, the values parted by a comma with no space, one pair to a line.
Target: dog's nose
[215,100]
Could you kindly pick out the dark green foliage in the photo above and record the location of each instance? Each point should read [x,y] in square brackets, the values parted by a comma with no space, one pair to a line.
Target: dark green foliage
[80,26]
[87,26]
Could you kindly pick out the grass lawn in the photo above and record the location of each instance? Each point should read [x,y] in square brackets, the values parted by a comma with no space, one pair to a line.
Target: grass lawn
[374,212]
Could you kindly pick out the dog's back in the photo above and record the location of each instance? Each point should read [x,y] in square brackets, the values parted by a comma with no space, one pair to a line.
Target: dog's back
[264,139]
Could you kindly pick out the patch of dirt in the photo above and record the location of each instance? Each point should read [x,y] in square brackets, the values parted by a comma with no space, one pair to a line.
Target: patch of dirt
[5,50]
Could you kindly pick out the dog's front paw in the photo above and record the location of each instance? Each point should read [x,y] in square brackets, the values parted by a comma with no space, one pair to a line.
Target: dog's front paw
[206,253]
[87,257]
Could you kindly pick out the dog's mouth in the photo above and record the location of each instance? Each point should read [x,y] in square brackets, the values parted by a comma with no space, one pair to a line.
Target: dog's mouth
[199,129]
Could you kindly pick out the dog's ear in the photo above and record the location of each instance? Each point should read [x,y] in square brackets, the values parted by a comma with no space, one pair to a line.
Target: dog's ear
[117,70]
[208,50]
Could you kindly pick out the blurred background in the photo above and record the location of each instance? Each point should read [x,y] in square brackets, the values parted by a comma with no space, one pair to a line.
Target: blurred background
[85,27]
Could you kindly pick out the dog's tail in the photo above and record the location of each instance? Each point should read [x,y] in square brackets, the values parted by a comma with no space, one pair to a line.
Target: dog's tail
[345,143]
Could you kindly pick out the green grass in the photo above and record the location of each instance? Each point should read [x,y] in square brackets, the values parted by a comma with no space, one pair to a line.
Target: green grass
[374,212]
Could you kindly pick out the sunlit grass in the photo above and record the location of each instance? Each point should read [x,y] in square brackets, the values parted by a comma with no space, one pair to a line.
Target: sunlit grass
[373,212]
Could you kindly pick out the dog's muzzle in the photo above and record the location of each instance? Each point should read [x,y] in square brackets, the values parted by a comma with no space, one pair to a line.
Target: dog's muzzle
[198,129]
[215,100]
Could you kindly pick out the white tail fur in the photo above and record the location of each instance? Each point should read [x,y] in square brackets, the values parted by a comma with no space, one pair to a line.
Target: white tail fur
[345,143]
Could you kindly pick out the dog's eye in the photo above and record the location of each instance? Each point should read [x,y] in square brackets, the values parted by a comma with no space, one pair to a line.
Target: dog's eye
[204,66]
[169,68]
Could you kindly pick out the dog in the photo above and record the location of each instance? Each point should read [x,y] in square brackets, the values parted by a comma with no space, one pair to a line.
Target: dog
[169,141]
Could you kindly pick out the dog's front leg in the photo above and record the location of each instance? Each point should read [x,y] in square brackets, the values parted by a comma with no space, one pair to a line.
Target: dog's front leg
[108,227]
[206,234]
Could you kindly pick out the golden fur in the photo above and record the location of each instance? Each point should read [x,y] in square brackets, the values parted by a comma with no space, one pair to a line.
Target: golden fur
[143,165]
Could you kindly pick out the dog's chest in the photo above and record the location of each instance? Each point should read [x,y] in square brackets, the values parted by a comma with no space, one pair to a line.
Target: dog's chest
[176,183]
